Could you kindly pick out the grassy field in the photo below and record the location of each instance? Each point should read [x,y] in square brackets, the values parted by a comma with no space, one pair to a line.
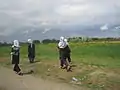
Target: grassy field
[95,65]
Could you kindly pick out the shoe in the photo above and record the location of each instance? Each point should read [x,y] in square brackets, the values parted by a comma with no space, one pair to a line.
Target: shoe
[65,67]
[20,73]
[61,67]
[69,69]
[31,71]
[16,72]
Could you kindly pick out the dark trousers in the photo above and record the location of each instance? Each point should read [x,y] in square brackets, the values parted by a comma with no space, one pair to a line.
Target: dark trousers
[31,59]
[16,68]
[68,57]
[64,58]
[63,62]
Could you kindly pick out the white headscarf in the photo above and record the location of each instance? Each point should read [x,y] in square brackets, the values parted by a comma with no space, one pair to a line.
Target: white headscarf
[62,43]
[29,40]
[62,39]
[16,43]
[66,41]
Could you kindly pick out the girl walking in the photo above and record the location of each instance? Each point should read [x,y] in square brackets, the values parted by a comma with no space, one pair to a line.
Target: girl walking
[15,52]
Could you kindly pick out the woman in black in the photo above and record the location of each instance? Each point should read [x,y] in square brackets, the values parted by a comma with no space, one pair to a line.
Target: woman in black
[68,51]
[31,51]
[63,54]
[15,52]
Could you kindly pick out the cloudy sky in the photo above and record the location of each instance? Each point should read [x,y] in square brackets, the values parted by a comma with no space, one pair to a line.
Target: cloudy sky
[39,19]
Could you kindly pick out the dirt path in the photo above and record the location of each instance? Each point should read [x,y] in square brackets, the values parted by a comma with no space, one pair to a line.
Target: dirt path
[11,81]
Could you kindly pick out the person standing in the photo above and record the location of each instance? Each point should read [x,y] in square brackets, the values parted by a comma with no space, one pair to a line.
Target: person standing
[68,50]
[62,54]
[31,51]
[15,54]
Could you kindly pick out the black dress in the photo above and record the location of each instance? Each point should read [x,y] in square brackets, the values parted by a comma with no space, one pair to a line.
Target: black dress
[62,56]
[15,58]
[68,51]
[31,52]
[15,54]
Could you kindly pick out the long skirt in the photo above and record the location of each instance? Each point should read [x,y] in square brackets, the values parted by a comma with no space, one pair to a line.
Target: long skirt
[63,58]
[15,59]
[68,57]
[16,68]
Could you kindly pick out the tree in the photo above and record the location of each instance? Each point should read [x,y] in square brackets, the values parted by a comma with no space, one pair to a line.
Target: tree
[46,41]
[36,41]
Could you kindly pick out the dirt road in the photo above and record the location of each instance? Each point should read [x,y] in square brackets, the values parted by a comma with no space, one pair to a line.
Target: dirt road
[11,81]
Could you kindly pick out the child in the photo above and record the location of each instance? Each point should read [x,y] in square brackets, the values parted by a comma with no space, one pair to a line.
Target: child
[68,51]
[15,52]
[31,51]
[62,51]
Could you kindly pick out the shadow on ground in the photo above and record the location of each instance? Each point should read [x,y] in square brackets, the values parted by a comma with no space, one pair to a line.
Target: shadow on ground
[29,72]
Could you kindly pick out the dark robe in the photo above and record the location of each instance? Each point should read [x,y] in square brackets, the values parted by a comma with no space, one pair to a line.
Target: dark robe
[68,51]
[15,58]
[15,54]
[62,56]
[31,50]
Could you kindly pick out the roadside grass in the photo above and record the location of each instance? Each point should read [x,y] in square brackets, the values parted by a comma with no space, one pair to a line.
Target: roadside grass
[94,65]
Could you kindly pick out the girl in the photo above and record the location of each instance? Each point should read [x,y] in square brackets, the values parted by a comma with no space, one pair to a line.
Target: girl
[31,51]
[68,51]
[62,51]
[15,52]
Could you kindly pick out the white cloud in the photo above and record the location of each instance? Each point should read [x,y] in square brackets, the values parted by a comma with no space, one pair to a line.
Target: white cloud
[15,14]
[28,31]
[71,10]
[118,27]
[45,23]
[46,30]
[6,32]
[104,27]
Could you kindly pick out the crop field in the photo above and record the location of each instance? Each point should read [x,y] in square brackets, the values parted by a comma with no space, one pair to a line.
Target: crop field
[94,65]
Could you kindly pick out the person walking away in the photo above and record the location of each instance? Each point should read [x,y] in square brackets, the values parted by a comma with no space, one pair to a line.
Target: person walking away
[31,51]
[15,53]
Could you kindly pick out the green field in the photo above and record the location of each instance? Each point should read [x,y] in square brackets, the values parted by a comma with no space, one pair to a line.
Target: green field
[95,65]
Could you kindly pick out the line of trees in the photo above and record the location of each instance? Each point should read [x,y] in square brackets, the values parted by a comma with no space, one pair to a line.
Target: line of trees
[73,39]
[81,39]
[5,44]
[87,39]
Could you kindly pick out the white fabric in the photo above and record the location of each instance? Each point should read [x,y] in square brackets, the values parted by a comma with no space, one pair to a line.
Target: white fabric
[16,43]
[31,45]
[62,39]
[62,43]
[29,40]
[66,41]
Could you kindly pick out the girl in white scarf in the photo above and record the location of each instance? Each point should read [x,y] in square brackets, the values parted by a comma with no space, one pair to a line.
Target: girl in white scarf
[31,51]
[68,51]
[16,43]
[15,52]
[62,43]
[62,52]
